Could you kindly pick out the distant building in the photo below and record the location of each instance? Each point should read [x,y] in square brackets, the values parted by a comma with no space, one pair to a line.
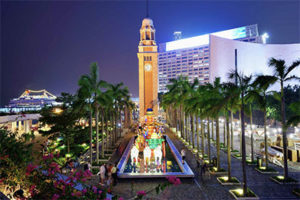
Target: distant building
[31,100]
[190,57]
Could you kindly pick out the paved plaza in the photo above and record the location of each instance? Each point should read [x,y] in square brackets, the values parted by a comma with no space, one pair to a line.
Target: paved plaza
[206,187]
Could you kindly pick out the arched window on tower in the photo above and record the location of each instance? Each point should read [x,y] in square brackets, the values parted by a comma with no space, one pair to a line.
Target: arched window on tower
[148,35]
[152,36]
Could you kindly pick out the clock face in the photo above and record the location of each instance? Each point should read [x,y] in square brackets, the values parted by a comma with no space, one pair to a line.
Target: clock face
[148,67]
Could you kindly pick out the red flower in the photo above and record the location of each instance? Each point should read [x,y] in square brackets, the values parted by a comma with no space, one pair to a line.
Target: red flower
[141,193]
[87,173]
[32,190]
[30,168]
[55,197]
[174,180]
[76,194]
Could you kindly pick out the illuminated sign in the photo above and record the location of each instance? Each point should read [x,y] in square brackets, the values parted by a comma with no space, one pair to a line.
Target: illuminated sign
[204,39]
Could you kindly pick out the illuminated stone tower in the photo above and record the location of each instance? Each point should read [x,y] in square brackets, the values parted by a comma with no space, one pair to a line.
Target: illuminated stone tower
[147,56]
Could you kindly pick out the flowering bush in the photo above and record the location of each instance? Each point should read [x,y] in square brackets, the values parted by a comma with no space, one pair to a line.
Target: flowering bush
[47,185]
[174,180]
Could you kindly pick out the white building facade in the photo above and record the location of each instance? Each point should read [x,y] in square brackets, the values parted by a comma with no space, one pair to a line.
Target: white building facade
[190,57]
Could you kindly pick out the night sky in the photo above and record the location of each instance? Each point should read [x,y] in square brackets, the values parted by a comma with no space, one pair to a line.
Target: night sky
[48,45]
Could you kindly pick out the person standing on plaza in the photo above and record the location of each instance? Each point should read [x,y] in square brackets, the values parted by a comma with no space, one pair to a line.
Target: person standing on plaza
[183,155]
[102,173]
[114,174]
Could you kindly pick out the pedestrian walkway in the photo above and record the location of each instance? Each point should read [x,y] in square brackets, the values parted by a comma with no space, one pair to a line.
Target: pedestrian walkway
[257,182]
[207,187]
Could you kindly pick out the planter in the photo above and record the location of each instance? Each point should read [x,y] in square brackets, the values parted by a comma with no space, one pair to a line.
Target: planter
[224,181]
[249,162]
[213,171]
[297,192]
[264,170]
[237,156]
[280,180]
[205,156]
[238,194]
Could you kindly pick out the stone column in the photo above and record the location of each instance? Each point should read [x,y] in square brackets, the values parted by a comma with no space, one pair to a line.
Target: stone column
[26,126]
[13,126]
[20,128]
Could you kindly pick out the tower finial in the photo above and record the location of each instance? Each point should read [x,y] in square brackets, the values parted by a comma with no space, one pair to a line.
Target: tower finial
[147,8]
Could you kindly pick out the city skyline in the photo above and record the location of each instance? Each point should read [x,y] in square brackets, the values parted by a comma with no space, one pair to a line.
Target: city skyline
[51,47]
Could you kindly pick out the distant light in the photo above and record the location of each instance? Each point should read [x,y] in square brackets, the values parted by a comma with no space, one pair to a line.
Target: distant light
[264,37]
[57,110]
[204,39]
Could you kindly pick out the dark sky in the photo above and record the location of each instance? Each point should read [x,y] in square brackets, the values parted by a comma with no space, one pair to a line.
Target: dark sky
[48,45]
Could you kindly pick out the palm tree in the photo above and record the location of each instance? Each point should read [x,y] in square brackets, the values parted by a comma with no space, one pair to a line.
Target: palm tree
[213,99]
[282,74]
[119,94]
[89,89]
[243,84]
[258,93]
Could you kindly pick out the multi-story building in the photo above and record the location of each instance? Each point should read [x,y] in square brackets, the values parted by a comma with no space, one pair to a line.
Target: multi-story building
[190,57]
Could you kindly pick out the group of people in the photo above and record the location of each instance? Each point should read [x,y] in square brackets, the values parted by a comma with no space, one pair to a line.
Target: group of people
[108,175]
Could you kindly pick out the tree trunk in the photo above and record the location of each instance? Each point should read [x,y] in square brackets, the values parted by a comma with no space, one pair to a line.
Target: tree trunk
[243,147]
[266,137]
[208,139]
[106,131]
[102,127]
[240,133]
[180,120]
[218,143]
[115,123]
[202,138]
[175,120]
[91,137]
[213,130]
[224,133]
[197,133]
[185,125]
[251,132]
[68,144]
[97,134]
[231,114]
[193,132]
[228,146]
[283,128]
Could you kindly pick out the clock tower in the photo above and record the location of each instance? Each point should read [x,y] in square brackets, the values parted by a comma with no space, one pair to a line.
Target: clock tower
[147,55]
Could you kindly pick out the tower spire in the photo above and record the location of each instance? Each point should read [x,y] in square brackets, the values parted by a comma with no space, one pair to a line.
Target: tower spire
[147,8]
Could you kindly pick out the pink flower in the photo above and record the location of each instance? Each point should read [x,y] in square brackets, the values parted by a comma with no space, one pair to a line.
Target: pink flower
[177,181]
[141,193]
[55,197]
[31,190]
[84,191]
[76,194]
[121,198]
[87,173]
[30,168]
[174,180]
